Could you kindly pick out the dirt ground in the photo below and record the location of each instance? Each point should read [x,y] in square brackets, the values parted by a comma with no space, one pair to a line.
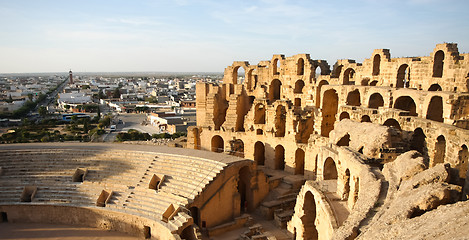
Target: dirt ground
[52,231]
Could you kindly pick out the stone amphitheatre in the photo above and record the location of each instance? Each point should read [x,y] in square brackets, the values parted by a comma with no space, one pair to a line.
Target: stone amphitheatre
[290,148]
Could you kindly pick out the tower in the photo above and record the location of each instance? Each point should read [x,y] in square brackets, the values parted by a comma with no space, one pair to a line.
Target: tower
[71,76]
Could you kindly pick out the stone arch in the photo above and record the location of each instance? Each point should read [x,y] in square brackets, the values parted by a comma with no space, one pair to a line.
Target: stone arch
[376,64]
[337,69]
[317,71]
[353,98]
[344,141]
[440,150]
[251,80]
[344,115]
[245,190]
[280,121]
[391,122]
[406,103]
[196,137]
[376,101]
[373,83]
[403,76]
[330,103]
[236,75]
[259,153]
[365,118]
[299,85]
[349,73]
[418,142]
[217,144]
[365,81]
[237,148]
[346,193]
[318,92]
[276,66]
[463,156]
[309,218]
[259,114]
[435,109]
[279,160]
[435,87]
[275,90]
[299,161]
[438,63]
[300,70]
[330,169]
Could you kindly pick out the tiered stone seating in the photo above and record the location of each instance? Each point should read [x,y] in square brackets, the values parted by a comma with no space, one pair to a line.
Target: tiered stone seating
[126,173]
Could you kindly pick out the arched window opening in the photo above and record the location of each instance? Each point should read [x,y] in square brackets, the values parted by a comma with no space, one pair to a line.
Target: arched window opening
[353,98]
[435,109]
[309,218]
[330,169]
[463,156]
[376,101]
[403,76]
[391,122]
[217,144]
[317,72]
[276,66]
[438,63]
[344,115]
[418,141]
[299,161]
[440,150]
[300,67]
[344,141]
[406,103]
[329,110]
[259,114]
[279,157]
[318,92]
[435,87]
[337,70]
[259,153]
[280,120]
[347,185]
[348,76]
[299,86]
[373,83]
[365,118]
[376,64]
[274,93]
[365,81]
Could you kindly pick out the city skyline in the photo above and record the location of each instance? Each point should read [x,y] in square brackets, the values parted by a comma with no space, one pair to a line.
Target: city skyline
[207,36]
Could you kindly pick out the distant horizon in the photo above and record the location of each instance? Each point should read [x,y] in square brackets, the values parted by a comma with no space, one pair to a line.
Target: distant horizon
[104,72]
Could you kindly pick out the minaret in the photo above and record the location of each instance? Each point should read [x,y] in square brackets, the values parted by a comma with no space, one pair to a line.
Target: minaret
[71,77]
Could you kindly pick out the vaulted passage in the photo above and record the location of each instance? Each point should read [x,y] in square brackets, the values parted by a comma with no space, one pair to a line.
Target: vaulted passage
[344,141]
[309,217]
[259,153]
[330,169]
[376,101]
[300,66]
[329,110]
[280,120]
[440,150]
[217,144]
[274,90]
[438,64]
[244,190]
[391,122]
[299,85]
[365,118]
[279,160]
[403,76]
[299,161]
[259,114]
[344,115]
[435,87]
[435,109]
[318,92]
[353,98]
[406,103]
[418,141]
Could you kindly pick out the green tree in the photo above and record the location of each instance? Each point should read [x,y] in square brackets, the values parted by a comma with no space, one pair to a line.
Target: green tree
[99,113]
[86,125]
[42,111]
[30,96]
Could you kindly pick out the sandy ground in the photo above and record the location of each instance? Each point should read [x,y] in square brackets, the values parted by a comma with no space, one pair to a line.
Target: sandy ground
[51,232]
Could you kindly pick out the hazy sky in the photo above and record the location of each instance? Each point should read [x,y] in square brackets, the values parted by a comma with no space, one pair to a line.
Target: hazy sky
[208,35]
